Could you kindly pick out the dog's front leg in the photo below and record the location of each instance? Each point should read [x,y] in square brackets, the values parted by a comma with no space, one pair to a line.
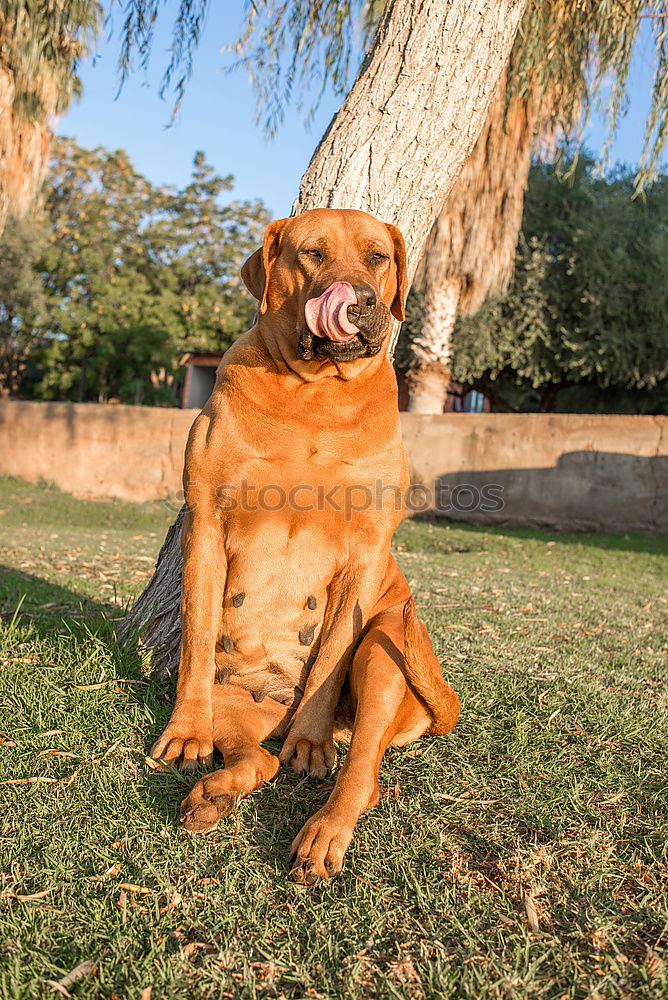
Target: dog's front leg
[188,737]
[309,745]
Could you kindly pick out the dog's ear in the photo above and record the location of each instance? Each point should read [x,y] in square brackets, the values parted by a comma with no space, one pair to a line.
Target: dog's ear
[255,272]
[398,304]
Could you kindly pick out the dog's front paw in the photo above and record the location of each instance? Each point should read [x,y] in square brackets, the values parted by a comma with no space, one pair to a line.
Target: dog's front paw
[187,741]
[309,747]
[318,849]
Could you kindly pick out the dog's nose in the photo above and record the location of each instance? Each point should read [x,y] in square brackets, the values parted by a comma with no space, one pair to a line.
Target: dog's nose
[366,299]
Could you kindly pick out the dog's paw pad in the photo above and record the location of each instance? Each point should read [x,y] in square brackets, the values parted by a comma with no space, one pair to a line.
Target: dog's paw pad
[203,817]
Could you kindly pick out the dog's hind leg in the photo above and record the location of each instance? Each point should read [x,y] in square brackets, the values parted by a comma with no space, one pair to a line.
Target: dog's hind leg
[239,727]
[386,711]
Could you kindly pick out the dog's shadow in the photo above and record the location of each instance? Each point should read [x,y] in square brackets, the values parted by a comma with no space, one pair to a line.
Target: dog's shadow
[267,820]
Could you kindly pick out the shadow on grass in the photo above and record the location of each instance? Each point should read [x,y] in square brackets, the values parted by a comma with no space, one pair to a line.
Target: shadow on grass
[646,544]
[273,815]
[268,819]
[46,606]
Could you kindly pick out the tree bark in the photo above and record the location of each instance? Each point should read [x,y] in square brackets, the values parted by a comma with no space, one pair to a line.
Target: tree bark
[394,149]
[429,379]
[154,619]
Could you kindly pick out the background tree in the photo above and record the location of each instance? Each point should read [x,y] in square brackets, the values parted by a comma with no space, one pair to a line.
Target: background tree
[130,276]
[106,328]
[22,300]
[203,242]
[40,47]
[588,305]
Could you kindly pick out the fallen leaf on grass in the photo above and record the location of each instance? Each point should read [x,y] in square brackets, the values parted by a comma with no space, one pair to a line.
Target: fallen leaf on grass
[5,740]
[155,765]
[131,887]
[655,965]
[532,915]
[80,972]
[111,872]
[29,781]
[70,777]
[175,901]
[59,753]
[611,801]
[146,993]
[194,946]
[466,797]
[28,898]
[593,799]
[119,845]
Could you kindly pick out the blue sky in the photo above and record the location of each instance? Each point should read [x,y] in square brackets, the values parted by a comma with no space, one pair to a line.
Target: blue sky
[218,116]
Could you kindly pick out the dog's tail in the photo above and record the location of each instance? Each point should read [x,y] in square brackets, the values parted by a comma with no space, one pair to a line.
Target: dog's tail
[424,673]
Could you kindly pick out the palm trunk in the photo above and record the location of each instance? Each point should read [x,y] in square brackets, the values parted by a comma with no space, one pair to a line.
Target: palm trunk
[6,139]
[394,149]
[429,379]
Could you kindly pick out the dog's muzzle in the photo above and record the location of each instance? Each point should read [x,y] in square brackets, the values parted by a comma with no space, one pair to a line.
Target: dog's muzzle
[343,323]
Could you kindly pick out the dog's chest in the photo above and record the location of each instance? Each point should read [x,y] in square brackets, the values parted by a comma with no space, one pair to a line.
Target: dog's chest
[278,576]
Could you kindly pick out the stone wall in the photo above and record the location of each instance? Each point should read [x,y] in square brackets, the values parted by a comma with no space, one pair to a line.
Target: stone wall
[569,471]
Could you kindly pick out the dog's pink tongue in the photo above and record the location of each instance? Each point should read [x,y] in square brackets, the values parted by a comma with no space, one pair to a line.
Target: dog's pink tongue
[327,316]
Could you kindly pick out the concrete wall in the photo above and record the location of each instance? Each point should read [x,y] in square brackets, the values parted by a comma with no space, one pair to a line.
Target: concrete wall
[570,471]
[93,450]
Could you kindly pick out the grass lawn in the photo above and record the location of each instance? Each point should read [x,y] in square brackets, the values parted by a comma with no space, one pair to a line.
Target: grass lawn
[524,855]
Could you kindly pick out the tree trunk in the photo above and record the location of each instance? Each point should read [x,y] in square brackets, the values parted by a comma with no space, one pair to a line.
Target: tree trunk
[24,153]
[429,379]
[548,397]
[420,99]
[154,619]
[394,149]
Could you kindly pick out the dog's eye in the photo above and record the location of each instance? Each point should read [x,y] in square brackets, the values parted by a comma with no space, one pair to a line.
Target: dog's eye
[314,253]
[377,256]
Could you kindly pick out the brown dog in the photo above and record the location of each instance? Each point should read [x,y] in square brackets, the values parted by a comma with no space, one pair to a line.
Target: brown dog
[294,476]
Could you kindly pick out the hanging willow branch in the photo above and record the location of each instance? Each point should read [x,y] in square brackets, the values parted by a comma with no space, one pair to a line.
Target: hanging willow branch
[293,47]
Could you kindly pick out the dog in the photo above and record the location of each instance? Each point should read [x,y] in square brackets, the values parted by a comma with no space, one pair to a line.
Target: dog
[297,623]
